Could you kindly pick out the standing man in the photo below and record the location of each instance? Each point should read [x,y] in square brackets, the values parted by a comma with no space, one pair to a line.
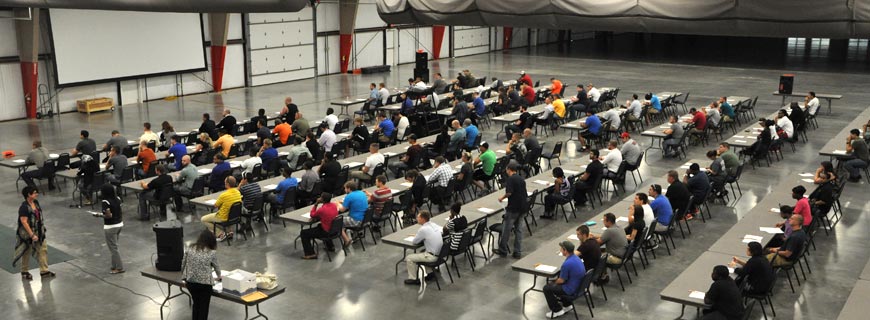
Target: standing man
[567,284]
[515,193]
[858,148]
[430,235]
[290,110]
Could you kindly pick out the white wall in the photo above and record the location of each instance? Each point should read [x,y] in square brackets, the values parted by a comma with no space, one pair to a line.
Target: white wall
[470,40]
[282,46]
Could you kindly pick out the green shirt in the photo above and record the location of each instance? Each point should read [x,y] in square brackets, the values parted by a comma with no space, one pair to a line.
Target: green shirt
[488,159]
[731,161]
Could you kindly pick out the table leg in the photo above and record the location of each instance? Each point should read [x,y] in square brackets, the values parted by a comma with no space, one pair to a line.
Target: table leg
[829,106]
[532,288]
[298,237]
[404,254]
[169,296]
[652,145]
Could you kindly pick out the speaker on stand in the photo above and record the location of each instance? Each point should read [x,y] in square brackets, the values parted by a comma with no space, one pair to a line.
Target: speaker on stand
[786,82]
[421,69]
[170,245]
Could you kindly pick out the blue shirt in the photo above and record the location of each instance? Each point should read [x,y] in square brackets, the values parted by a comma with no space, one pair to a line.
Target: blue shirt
[387,127]
[356,203]
[662,210]
[572,272]
[218,171]
[407,106]
[479,106]
[593,124]
[374,94]
[283,186]
[727,109]
[178,151]
[268,155]
[471,133]
[656,104]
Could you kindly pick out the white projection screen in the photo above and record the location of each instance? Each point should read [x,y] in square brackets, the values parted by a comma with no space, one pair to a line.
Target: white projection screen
[98,46]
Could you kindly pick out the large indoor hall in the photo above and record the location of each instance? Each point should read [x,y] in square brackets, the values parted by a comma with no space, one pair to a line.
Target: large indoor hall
[627,170]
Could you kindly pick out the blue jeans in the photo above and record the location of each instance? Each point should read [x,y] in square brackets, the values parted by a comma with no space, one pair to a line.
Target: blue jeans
[853,165]
[511,221]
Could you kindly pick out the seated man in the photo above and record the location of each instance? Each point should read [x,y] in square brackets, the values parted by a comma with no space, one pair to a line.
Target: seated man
[560,293]
[723,297]
[146,156]
[785,127]
[593,129]
[858,148]
[441,177]
[700,121]
[355,203]
[471,134]
[559,106]
[37,157]
[677,194]
[331,119]
[225,143]
[381,195]
[294,154]
[457,141]
[411,158]
[223,204]
[523,122]
[276,199]
[790,251]
[186,177]
[374,159]
[674,134]
[716,173]
[327,137]
[323,211]
[580,103]
[698,184]
[756,272]
[655,105]
[429,235]
[612,160]
[661,207]
[220,171]
[283,130]
[115,166]
[158,189]
[385,128]
[633,110]
[589,250]
[630,150]
[613,238]
[613,116]
[586,182]
[487,159]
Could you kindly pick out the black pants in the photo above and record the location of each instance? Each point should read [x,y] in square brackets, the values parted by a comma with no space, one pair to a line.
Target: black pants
[201,294]
[554,295]
[583,188]
[35,174]
[509,130]
[308,236]
[552,200]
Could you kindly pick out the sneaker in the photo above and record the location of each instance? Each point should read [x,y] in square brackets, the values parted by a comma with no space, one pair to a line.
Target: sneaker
[222,237]
[517,255]
[689,217]
[567,308]
[499,252]
[553,315]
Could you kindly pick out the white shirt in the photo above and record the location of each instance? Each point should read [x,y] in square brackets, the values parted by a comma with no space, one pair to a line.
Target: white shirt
[434,101]
[383,95]
[594,94]
[249,163]
[786,125]
[773,134]
[613,116]
[635,108]
[331,119]
[648,215]
[420,85]
[813,105]
[149,136]
[373,160]
[327,139]
[612,160]
[430,235]
[402,127]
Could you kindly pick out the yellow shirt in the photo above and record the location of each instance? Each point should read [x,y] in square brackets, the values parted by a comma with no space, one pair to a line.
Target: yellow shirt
[225,142]
[559,108]
[225,201]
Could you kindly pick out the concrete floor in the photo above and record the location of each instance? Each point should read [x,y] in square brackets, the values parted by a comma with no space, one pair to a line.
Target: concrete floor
[360,286]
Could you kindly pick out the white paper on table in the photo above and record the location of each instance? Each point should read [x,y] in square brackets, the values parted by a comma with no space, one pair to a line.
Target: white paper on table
[739,137]
[570,125]
[516,114]
[131,141]
[770,230]
[102,166]
[806,174]
[839,152]
[343,134]
[235,164]
[625,219]
[19,161]
[54,155]
[204,171]
[501,151]
[427,177]
[354,164]
[498,118]
[283,153]
[486,210]
[740,141]
[685,167]
[218,287]
[730,270]
[750,238]
[394,191]
[458,166]
[529,193]
[697,294]
[649,132]
[406,184]
[774,210]
[545,268]
[270,187]
[573,237]
[807,180]
[390,154]
[409,239]
[542,182]
[307,215]
[210,202]
[570,172]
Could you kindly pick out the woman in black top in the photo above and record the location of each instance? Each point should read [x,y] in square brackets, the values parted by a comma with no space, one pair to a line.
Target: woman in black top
[112,224]
[636,226]
[723,297]
[756,273]
[360,136]
[31,235]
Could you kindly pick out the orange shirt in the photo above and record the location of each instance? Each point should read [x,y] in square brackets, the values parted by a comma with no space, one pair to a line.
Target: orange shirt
[146,156]
[284,131]
[557,87]
[226,142]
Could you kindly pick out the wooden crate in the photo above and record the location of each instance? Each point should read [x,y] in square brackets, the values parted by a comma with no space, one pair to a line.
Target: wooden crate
[96,104]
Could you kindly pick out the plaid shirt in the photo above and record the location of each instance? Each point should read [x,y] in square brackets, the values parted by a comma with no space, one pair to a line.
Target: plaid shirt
[442,174]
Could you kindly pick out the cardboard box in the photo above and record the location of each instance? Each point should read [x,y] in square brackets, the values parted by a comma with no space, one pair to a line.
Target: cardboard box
[96,104]
[239,282]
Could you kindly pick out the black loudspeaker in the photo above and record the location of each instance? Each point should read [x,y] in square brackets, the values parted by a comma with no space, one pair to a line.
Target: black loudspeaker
[786,82]
[170,246]
[422,74]
[422,60]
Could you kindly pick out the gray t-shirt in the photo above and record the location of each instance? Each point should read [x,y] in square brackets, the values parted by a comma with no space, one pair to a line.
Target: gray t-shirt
[630,151]
[188,175]
[614,239]
[718,166]
[118,141]
[859,149]
[713,116]
[117,164]
[678,130]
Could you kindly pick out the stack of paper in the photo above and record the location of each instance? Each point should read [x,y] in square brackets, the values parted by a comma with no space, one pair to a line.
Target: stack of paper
[19,160]
[409,239]
[54,155]
[806,174]
[740,141]
[485,210]
[770,230]
[204,171]
[406,184]
[354,164]
[545,268]
[774,210]
[270,187]
[697,294]
[573,237]
[307,215]
[210,202]
[839,152]
[751,238]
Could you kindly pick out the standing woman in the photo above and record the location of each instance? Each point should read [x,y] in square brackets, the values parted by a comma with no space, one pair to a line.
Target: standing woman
[112,224]
[199,261]
[31,235]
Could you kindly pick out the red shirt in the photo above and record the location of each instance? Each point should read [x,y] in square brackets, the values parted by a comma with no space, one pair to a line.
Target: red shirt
[529,94]
[326,212]
[526,79]
[146,156]
[802,207]
[700,120]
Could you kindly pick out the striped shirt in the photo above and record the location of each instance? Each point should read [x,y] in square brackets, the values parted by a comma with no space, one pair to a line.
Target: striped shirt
[379,197]
[250,192]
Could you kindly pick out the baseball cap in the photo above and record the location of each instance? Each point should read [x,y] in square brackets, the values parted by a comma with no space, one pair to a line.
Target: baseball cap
[625,135]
